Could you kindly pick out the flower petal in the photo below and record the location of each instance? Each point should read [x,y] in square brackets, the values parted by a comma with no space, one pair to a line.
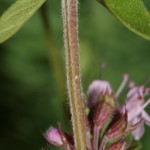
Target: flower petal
[136,95]
[53,136]
[134,114]
[95,88]
[138,132]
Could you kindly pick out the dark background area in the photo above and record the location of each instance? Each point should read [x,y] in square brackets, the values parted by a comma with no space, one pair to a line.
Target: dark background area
[31,99]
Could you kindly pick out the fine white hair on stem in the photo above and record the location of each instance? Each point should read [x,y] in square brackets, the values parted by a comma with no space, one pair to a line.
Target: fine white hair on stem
[70,21]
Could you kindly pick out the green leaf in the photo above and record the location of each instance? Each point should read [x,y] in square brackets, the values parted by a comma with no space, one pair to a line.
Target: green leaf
[132,13]
[16,15]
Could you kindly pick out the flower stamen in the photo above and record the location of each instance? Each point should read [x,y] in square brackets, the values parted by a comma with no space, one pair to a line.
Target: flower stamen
[122,85]
[146,104]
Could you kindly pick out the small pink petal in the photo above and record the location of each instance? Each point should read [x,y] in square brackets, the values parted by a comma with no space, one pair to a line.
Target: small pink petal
[53,136]
[141,91]
[132,92]
[95,88]
[146,91]
[138,132]
[134,113]
[135,96]
[131,84]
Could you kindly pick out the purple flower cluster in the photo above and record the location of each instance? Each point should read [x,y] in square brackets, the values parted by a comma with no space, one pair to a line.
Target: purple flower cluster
[109,124]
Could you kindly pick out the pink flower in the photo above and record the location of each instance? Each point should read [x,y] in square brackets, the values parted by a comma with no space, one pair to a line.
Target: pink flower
[107,120]
[135,105]
[58,138]
[54,136]
[97,87]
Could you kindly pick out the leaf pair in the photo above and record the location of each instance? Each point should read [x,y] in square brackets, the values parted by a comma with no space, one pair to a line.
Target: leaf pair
[16,15]
[132,13]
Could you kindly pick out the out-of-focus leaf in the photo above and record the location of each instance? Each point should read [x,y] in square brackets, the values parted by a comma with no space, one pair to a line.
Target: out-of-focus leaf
[16,15]
[132,13]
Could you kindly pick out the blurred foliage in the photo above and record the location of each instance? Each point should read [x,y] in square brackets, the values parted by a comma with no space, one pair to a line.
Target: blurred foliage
[132,13]
[16,15]
[29,99]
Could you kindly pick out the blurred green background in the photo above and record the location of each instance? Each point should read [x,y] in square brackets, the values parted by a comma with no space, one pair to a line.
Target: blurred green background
[31,98]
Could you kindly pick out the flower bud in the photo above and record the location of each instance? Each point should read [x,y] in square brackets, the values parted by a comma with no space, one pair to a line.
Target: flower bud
[118,128]
[105,109]
[121,145]
[54,136]
[115,133]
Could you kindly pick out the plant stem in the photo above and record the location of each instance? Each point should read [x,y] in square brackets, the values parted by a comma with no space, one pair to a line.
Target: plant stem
[70,18]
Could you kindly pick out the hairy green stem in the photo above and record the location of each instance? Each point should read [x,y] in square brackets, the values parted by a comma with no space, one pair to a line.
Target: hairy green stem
[70,18]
